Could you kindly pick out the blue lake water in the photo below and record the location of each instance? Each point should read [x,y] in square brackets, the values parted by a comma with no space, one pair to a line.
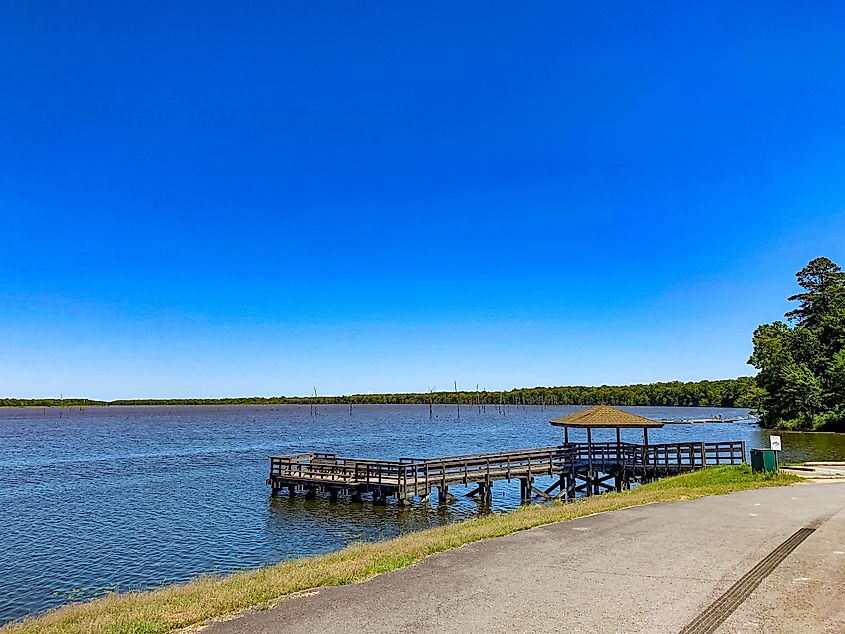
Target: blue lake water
[123,498]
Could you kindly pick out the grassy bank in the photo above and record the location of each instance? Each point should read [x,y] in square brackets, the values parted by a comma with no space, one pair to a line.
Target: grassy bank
[178,606]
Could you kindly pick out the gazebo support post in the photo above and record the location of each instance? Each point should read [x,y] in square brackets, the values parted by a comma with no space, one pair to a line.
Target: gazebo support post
[618,444]
[566,435]
[589,461]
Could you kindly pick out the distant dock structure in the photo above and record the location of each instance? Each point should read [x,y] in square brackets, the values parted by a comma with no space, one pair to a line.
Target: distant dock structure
[576,468]
[708,419]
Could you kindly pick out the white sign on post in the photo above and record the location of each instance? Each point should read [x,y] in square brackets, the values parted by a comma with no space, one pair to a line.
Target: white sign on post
[775,442]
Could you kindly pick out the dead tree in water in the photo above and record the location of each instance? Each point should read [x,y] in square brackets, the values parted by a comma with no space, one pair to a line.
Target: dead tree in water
[457,400]
[431,400]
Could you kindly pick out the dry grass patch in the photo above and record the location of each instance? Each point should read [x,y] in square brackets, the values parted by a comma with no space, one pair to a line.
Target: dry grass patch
[205,598]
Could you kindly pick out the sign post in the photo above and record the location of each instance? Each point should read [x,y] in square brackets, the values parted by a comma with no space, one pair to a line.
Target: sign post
[775,444]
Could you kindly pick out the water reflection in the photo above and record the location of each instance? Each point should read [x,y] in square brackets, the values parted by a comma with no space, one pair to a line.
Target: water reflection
[325,523]
[808,446]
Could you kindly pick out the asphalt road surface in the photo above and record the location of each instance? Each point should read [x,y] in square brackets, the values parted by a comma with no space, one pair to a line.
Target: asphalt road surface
[654,569]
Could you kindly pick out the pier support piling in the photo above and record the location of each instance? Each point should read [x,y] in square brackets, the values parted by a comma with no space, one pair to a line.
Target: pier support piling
[443,495]
[484,492]
[525,485]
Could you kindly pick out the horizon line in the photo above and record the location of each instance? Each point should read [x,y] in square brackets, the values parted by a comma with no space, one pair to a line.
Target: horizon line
[354,394]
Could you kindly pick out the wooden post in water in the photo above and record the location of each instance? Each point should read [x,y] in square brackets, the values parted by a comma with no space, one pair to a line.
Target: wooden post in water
[484,492]
[524,490]
[442,494]
[431,401]
[457,400]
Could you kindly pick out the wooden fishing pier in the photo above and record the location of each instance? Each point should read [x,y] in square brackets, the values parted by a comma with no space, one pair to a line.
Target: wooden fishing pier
[584,468]
[576,469]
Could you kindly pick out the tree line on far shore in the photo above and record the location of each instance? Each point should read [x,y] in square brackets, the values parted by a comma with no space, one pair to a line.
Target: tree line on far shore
[739,392]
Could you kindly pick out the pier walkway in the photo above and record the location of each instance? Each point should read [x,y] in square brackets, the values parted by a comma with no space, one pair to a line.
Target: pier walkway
[576,468]
[654,569]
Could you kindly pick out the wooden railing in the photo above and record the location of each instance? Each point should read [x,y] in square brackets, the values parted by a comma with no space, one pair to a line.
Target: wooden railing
[489,466]
[725,452]
[421,472]
[330,468]
[689,455]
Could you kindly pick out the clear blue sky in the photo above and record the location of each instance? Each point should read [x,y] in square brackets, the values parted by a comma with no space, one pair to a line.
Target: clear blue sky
[219,199]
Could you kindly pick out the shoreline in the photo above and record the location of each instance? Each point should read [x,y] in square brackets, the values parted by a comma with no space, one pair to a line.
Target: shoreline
[207,598]
[356,404]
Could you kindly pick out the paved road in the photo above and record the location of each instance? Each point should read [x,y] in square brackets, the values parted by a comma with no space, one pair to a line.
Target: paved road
[818,470]
[648,569]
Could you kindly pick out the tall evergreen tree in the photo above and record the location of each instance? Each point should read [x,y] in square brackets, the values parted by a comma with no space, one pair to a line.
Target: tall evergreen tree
[824,290]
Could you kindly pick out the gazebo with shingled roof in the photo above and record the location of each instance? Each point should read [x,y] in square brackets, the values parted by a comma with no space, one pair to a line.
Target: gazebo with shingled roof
[604,417]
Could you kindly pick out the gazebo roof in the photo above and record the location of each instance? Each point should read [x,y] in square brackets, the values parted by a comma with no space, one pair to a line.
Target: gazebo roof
[604,416]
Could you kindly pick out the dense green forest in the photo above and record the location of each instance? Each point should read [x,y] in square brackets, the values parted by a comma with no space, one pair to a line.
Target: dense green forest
[50,402]
[802,363]
[739,392]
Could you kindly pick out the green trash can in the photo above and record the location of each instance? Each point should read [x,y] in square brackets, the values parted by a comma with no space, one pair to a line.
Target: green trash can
[764,460]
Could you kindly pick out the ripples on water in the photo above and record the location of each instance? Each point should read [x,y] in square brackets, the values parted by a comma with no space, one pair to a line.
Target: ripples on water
[125,498]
